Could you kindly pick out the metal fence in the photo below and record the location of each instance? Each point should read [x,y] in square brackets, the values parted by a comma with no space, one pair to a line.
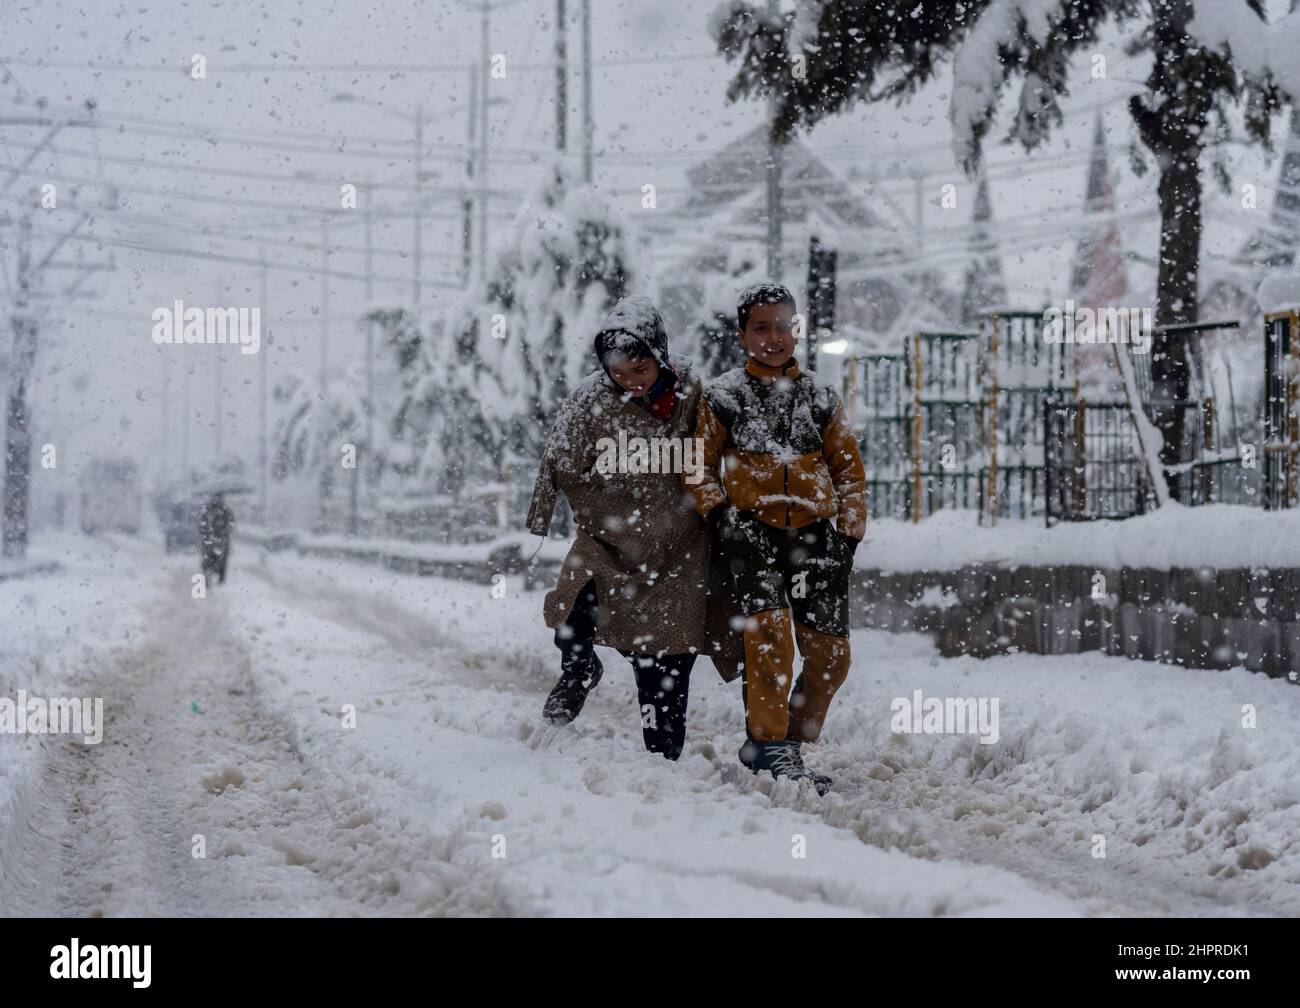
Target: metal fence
[993,420]
[1281,428]
[1092,469]
[1021,371]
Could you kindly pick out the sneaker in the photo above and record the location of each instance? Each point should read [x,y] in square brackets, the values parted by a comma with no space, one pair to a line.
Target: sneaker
[820,780]
[570,692]
[780,759]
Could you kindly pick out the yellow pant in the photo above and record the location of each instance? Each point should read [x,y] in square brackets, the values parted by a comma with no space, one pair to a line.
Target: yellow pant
[774,711]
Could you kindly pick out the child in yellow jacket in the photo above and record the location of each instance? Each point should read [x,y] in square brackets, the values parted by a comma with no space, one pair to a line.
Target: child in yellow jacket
[790,508]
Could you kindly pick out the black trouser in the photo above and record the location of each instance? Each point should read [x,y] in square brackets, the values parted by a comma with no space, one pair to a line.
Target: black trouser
[806,570]
[662,681]
[663,686]
[215,565]
[575,635]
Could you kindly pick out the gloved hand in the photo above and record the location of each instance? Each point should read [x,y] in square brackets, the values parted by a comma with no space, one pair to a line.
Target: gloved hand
[720,518]
[849,542]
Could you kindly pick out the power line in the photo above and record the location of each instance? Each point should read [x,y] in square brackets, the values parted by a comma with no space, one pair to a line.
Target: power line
[239,173]
[127,218]
[151,249]
[184,68]
[274,139]
[314,320]
[221,200]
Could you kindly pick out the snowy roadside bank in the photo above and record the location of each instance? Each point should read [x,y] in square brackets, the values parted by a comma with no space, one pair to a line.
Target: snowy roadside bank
[1216,536]
[51,616]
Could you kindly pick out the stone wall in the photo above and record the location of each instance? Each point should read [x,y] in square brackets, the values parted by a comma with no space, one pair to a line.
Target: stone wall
[1197,617]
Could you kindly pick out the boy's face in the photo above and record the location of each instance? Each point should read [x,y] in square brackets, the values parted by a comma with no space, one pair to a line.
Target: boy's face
[769,334]
[634,376]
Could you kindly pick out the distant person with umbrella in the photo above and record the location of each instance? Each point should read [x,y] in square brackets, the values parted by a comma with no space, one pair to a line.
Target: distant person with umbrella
[215,523]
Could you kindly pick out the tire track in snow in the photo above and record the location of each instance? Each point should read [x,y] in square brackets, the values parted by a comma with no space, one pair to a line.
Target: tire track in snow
[282,835]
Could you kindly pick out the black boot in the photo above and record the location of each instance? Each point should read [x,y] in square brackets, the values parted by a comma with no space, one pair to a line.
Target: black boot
[569,693]
[580,668]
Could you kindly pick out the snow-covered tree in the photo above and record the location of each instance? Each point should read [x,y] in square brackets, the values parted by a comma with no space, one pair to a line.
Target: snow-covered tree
[311,431]
[710,336]
[401,417]
[1206,57]
[523,339]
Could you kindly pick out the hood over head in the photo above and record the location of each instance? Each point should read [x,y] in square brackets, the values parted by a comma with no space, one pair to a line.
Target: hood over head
[632,327]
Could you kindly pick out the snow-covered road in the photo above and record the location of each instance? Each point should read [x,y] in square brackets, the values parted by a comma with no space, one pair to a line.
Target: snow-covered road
[226,722]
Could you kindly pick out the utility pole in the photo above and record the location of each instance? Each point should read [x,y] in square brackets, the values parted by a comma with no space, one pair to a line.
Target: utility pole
[588,127]
[25,327]
[775,166]
[370,333]
[185,429]
[484,69]
[467,201]
[418,221]
[561,78]
[324,303]
[216,385]
[918,195]
[262,452]
[18,436]
[163,412]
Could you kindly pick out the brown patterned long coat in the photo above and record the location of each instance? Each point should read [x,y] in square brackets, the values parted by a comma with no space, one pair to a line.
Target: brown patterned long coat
[637,534]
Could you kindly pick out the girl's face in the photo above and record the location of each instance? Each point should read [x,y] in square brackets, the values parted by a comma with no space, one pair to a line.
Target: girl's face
[635,376]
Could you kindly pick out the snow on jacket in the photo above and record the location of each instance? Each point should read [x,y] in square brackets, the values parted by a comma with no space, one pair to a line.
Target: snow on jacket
[790,453]
[659,588]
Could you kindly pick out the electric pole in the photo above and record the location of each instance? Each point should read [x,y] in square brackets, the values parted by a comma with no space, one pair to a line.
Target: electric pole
[25,326]
[588,122]
[561,78]
[163,413]
[324,303]
[185,429]
[775,167]
[216,386]
[370,336]
[484,69]
[467,200]
[18,436]
[418,221]
[262,452]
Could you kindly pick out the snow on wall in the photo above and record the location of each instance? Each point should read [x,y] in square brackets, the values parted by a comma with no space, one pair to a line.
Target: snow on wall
[1217,535]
